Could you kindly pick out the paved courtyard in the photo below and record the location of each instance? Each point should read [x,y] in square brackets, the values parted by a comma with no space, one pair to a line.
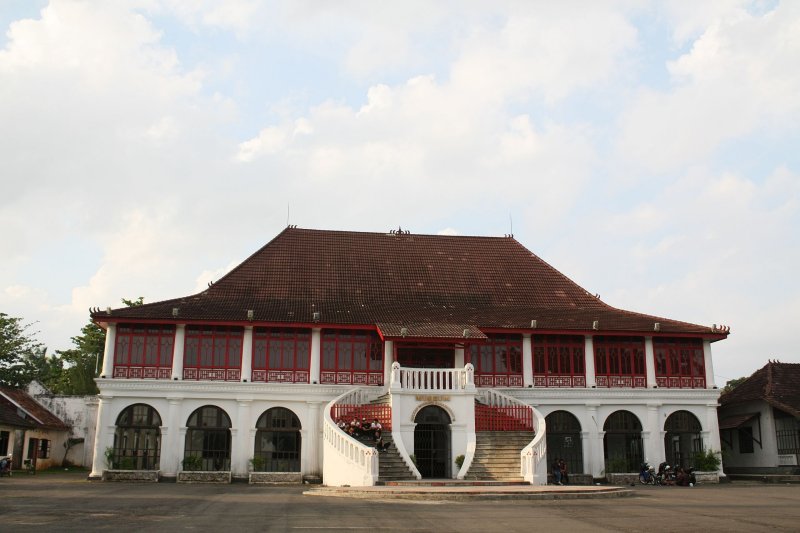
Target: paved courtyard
[67,502]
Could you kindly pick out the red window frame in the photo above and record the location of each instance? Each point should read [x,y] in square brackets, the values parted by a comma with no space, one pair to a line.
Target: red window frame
[558,360]
[498,361]
[680,363]
[281,355]
[213,353]
[143,351]
[351,356]
[619,361]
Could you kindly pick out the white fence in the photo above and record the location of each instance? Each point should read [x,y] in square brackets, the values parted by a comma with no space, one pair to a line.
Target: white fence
[533,467]
[345,460]
[432,379]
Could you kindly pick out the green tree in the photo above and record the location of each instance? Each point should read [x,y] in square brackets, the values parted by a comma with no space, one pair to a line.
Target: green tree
[20,352]
[81,362]
[732,384]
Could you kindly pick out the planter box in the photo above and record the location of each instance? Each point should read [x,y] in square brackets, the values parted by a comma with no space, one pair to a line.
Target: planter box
[706,477]
[273,478]
[204,477]
[131,476]
[622,478]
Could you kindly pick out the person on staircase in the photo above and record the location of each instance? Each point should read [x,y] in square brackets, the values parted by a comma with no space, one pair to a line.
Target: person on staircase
[556,469]
[562,465]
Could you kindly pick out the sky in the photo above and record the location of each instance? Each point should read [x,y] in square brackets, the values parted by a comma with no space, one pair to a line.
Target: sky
[648,150]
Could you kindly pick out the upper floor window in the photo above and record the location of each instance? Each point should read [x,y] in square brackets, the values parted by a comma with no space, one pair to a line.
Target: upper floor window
[558,361]
[351,356]
[144,351]
[619,361]
[213,352]
[498,362]
[680,363]
[281,355]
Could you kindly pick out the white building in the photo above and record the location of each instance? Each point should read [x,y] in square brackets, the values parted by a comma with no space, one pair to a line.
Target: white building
[759,422]
[442,338]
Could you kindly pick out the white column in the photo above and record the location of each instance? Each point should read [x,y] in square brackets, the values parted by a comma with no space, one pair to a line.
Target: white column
[171,445]
[459,358]
[313,449]
[108,352]
[527,361]
[650,362]
[653,442]
[242,448]
[591,378]
[103,438]
[247,354]
[177,352]
[594,457]
[710,384]
[586,447]
[711,438]
[316,353]
[388,359]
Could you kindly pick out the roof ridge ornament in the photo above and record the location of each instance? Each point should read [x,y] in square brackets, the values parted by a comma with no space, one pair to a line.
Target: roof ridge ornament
[399,231]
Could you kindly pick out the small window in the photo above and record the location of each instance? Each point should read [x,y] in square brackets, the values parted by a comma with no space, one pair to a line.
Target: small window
[746,440]
[44,449]
[4,438]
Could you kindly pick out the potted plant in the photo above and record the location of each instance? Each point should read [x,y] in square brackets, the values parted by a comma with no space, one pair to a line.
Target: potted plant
[257,463]
[459,461]
[192,463]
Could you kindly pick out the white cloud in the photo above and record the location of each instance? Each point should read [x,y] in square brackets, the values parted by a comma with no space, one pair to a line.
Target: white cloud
[734,81]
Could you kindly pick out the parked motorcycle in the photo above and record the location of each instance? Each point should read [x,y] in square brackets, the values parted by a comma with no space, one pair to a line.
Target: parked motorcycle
[647,474]
[665,475]
[5,466]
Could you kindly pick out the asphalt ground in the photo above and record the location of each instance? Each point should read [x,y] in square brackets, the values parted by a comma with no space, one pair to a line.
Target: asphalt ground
[67,502]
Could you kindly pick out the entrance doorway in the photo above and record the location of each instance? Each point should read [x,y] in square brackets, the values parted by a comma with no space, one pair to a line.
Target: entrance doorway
[683,438]
[426,357]
[432,442]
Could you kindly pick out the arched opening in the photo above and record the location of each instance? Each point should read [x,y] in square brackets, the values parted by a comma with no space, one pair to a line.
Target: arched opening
[277,446]
[683,438]
[208,440]
[137,439]
[432,442]
[622,443]
[564,439]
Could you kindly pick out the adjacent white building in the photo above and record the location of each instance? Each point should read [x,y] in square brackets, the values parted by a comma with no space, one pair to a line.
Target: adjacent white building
[444,339]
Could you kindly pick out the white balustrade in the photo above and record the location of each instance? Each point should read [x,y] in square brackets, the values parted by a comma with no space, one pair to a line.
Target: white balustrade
[346,460]
[533,467]
[432,379]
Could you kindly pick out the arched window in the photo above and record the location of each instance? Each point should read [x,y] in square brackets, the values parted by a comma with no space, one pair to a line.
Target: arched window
[683,438]
[278,441]
[208,440]
[564,440]
[137,439]
[622,442]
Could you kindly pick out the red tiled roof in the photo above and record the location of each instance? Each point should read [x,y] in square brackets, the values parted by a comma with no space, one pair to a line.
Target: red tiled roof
[36,414]
[357,278]
[775,383]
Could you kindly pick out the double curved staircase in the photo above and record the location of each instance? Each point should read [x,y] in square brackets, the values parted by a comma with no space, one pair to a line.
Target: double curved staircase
[506,443]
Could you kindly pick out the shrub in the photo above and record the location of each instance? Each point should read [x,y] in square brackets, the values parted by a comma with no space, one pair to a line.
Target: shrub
[109,454]
[707,461]
[459,461]
[257,463]
[192,462]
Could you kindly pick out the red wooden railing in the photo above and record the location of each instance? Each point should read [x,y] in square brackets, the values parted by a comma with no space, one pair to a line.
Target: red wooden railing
[506,418]
[369,412]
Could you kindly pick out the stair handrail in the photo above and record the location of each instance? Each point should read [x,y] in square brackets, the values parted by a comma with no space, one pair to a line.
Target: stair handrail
[346,461]
[532,466]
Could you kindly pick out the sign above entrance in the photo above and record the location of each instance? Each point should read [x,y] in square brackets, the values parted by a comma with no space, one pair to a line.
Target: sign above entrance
[432,398]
